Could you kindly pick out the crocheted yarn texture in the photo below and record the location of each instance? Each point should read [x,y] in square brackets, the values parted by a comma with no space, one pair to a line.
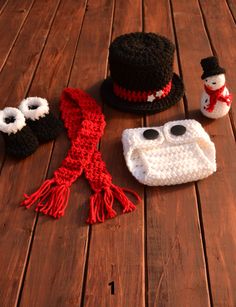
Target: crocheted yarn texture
[85,123]
[20,142]
[142,78]
[211,67]
[216,99]
[178,152]
[40,119]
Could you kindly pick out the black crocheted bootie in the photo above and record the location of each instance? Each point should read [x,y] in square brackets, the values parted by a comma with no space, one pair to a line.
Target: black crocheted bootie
[19,139]
[39,118]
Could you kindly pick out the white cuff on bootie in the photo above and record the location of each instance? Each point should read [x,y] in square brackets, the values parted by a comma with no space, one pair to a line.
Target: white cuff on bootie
[178,152]
[34,107]
[11,120]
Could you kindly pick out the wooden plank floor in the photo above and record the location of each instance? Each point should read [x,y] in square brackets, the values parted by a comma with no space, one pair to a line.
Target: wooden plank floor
[178,248]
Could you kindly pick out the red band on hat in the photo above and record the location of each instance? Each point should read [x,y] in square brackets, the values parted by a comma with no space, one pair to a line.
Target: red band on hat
[138,96]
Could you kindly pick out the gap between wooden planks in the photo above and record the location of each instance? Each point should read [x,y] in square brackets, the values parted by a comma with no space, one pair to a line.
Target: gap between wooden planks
[12,17]
[217,194]
[3,4]
[116,251]
[56,226]
[16,226]
[221,40]
[59,52]
[232,7]
[175,256]
[84,62]
[18,71]
[12,20]
[71,230]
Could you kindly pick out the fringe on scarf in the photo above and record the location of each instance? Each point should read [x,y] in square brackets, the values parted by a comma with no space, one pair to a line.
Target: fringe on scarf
[101,203]
[51,198]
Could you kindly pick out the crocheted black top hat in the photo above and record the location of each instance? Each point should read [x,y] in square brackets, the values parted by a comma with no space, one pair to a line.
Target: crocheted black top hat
[211,67]
[142,78]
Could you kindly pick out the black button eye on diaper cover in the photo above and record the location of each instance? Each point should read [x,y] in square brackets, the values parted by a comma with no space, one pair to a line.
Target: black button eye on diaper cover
[178,130]
[151,134]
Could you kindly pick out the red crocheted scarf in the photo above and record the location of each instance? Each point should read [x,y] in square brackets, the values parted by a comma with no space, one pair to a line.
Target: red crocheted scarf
[216,95]
[85,123]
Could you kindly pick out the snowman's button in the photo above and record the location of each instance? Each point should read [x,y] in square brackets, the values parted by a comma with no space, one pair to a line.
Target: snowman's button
[151,134]
[178,130]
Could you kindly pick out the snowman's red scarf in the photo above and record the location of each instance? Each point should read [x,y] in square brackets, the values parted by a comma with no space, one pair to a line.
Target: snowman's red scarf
[85,123]
[217,95]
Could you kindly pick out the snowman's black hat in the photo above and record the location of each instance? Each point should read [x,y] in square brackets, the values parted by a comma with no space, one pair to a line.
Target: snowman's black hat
[211,67]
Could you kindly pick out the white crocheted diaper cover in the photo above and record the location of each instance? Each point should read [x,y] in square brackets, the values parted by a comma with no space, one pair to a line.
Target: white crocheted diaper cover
[178,152]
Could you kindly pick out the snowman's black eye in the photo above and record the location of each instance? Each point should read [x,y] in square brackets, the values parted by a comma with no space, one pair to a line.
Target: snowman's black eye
[206,100]
[178,130]
[213,82]
[151,134]
[33,107]
[9,120]
[206,80]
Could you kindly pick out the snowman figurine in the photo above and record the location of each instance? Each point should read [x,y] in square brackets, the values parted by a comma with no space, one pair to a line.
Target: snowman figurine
[216,100]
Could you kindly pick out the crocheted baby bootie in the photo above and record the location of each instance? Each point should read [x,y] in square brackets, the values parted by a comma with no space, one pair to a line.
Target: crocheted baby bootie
[39,118]
[19,138]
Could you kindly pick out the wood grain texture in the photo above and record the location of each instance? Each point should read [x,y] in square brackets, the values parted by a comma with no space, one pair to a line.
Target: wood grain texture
[15,225]
[11,20]
[12,16]
[155,256]
[218,192]
[116,252]
[223,37]
[50,282]
[3,4]
[176,267]
[17,73]
[68,240]
[232,7]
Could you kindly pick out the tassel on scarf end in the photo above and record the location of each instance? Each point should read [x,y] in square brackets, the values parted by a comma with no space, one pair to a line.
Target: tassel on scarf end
[129,208]
[101,207]
[26,196]
[119,194]
[94,219]
[94,202]
[91,220]
[24,203]
[51,213]
[50,199]
[111,215]
[42,192]
[56,202]
[101,203]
